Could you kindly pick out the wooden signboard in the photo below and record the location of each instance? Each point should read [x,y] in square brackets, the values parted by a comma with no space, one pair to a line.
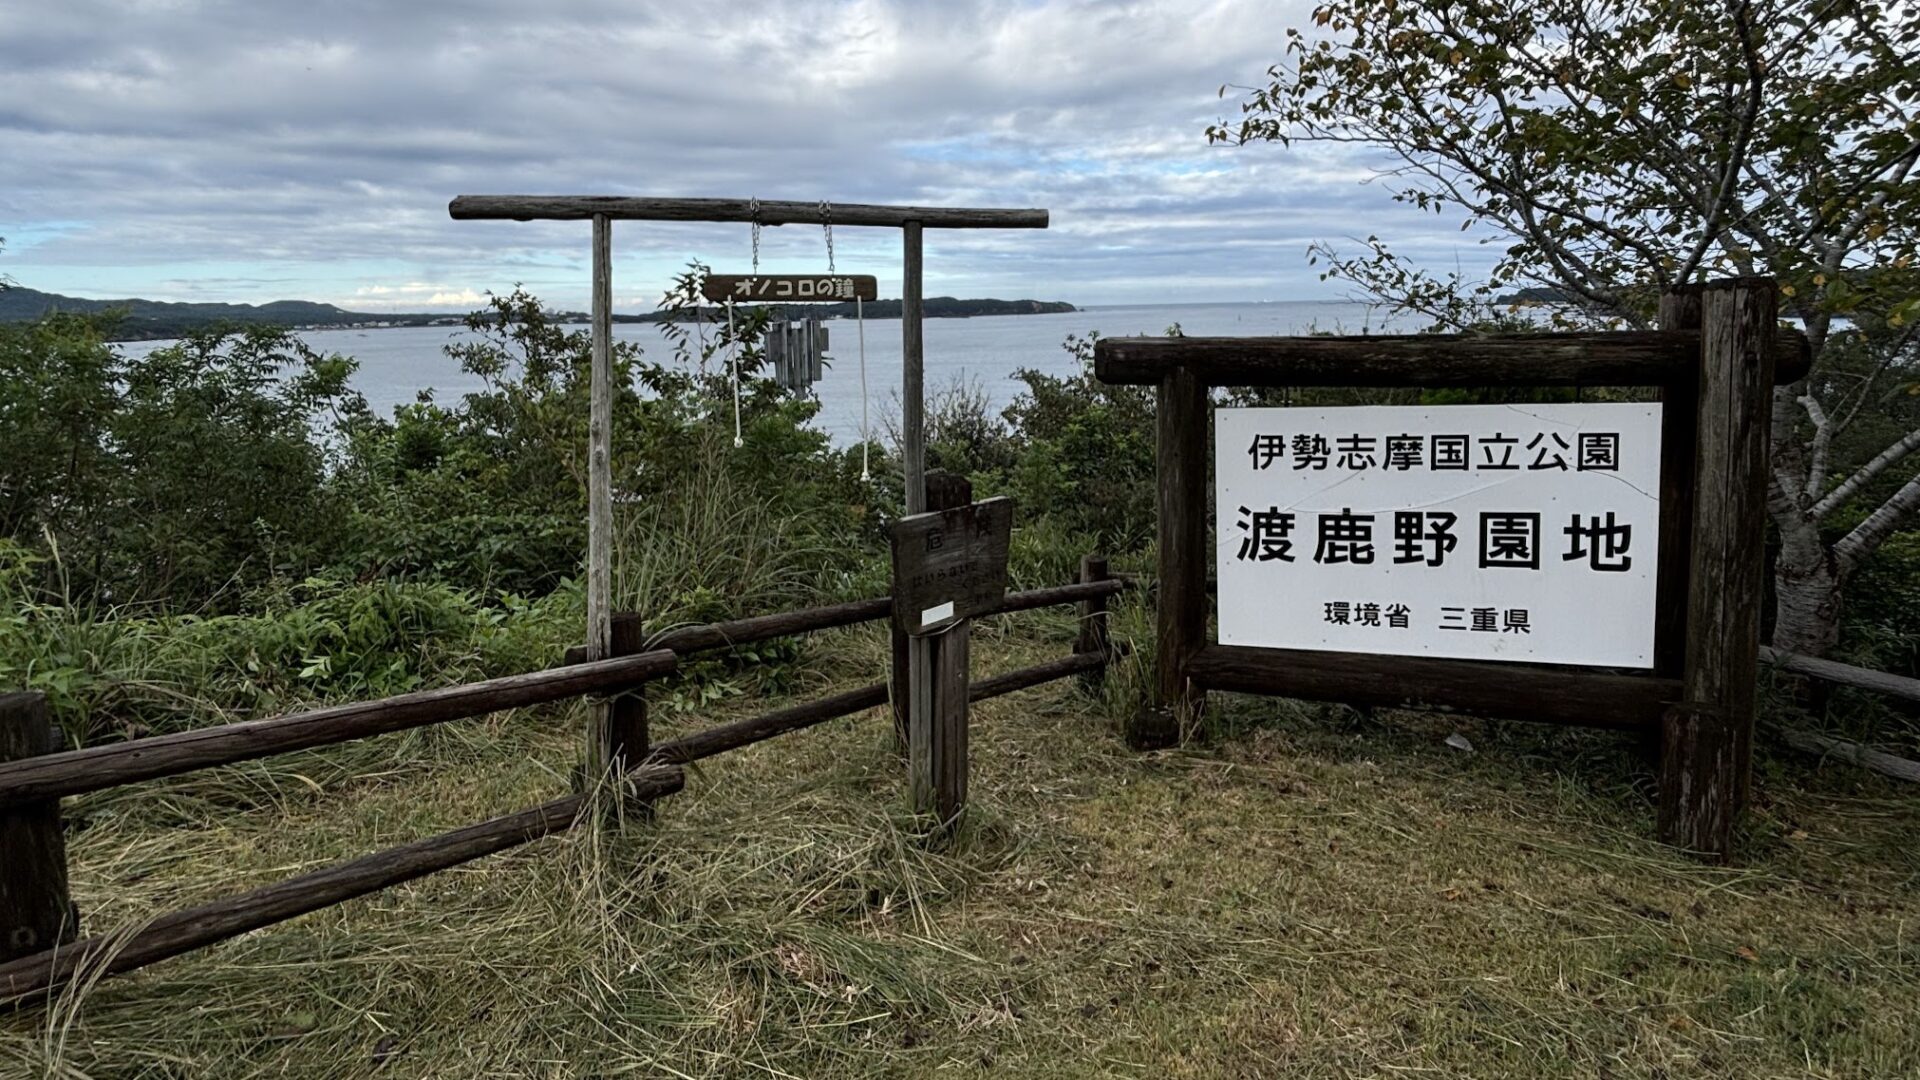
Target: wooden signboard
[790,288]
[950,565]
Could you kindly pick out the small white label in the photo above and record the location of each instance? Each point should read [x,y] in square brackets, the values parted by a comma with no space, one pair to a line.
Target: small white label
[936,614]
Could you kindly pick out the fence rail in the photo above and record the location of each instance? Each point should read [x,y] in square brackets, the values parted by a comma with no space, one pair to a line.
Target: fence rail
[94,768]
[198,927]
[32,785]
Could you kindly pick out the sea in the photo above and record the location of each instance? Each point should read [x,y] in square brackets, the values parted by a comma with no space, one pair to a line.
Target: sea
[981,353]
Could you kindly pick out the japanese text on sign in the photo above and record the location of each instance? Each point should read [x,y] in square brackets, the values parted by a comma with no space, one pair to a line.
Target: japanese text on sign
[789,288]
[1512,532]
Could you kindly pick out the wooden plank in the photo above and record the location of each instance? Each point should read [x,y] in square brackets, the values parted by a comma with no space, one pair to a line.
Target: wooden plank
[1180,421]
[1679,430]
[790,288]
[194,928]
[913,394]
[766,212]
[940,490]
[1707,744]
[1547,693]
[1008,682]
[723,635]
[1094,639]
[36,911]
[950,655]
[1611,358]
[1845,674]
[627,734]
[1057,594]
[96,767]
[1865,757]
[599,743]
[950,565]
[732,736]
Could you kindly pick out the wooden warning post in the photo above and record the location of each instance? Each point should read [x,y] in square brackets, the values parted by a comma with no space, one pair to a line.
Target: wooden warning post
[948,566]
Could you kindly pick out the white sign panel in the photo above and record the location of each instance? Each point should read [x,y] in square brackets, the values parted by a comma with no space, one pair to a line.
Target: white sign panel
[1487,532]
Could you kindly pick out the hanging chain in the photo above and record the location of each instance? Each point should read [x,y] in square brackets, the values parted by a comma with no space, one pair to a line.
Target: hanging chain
[826,222]
[753,210]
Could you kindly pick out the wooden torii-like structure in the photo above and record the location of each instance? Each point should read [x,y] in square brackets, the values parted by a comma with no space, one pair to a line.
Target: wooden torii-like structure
[605,743]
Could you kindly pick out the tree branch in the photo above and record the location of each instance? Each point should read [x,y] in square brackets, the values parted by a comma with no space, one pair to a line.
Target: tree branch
[1871,533]
[1865,475]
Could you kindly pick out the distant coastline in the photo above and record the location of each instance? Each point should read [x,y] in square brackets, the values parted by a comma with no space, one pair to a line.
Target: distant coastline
[147,320]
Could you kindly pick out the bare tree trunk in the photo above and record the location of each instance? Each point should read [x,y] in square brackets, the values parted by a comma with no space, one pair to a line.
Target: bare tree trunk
[1807,584]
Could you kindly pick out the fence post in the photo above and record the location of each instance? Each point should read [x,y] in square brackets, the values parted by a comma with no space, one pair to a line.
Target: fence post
[36,911]
[1679,434]
[1095,636]
[937,692]
[944,491]
[1180,423]
[1707,739]
[627,734]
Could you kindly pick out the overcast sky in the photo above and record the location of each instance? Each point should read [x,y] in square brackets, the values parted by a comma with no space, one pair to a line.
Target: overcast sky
[265,150]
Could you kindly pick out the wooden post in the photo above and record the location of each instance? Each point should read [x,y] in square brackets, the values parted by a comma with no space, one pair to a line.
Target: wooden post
[1180,422]
[913,403]
[600,491]
[1095,636]
[937,680]
[1707,739]
[35,910]
[627,735]
[942,491]
[1679,431]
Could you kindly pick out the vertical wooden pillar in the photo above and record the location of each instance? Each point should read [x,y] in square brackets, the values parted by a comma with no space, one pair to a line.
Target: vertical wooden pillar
[627,736]
[937,746]
[1095,635]
[1180,422]
[600,492]
[35,910]
[1707,739]
[1679,430]
[942,490]
[913,401]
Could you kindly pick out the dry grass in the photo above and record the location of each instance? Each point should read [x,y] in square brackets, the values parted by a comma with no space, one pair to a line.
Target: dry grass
[1306,893]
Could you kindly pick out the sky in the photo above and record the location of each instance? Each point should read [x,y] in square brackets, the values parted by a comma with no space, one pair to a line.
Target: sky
[248,152]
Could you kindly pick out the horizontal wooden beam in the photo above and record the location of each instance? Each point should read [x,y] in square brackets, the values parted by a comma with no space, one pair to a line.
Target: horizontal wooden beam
[1615,358]
[1056,594]
[724,737]
[766,212]
[1880,682]
[1065,667]
[725,635]
[194,928]
[72,772]
[1580,696]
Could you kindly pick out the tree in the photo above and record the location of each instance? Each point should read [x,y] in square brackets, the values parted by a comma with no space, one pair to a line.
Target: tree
[1615,147]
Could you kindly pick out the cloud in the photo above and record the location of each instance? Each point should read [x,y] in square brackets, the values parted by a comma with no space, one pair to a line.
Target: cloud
[262,150]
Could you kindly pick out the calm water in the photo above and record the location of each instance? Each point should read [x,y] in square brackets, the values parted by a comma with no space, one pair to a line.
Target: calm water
[397,364]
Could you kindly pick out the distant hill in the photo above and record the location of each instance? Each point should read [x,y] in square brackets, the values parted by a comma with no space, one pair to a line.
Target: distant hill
[144,319]
[159,318]
[1535,294]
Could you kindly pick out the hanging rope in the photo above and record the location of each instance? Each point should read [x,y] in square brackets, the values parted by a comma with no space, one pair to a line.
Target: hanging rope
[733,334]
[733,359]
[860,320]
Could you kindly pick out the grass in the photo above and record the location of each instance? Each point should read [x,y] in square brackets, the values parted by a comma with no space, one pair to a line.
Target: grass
[1304,892]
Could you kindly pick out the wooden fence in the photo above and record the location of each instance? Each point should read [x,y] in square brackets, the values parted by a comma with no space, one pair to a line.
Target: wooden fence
[42,952]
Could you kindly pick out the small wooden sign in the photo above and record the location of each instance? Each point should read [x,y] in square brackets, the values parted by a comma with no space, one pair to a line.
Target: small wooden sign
[950,565]
[790,288]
